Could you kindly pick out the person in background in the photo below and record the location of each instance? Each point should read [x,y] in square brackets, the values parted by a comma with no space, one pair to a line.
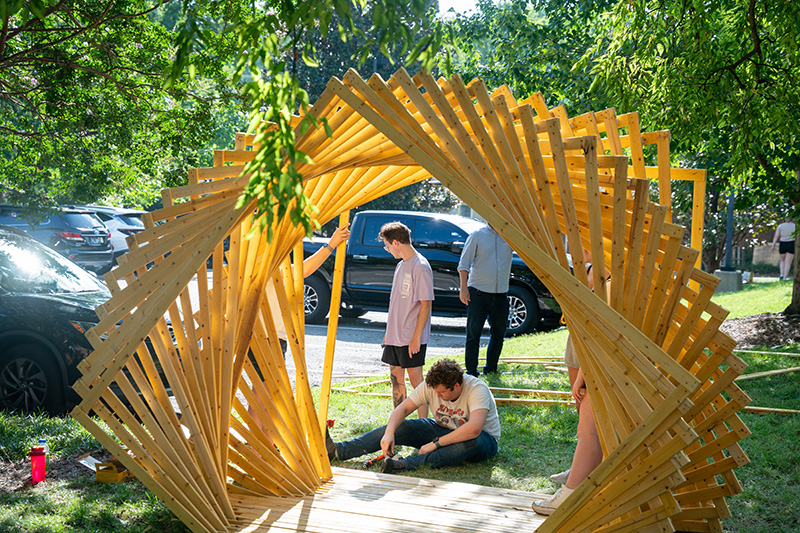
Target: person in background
[408,325]
[784,238]
[588,452]
[484,270]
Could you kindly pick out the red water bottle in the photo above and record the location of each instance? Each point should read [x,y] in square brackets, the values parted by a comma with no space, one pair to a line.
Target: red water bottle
[37,464]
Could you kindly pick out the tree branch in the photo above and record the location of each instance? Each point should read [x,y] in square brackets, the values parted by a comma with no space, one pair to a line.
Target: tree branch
[751,16]
[3,34]
[756,51]
[20,133]
[35,20]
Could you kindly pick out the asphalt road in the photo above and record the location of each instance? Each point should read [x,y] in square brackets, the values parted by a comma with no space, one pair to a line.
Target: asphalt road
[358,345]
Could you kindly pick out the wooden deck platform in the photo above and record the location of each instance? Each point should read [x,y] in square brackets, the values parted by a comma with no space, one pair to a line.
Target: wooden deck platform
[360,501]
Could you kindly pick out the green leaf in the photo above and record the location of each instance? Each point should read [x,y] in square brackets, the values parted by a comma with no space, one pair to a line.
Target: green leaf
[38,8]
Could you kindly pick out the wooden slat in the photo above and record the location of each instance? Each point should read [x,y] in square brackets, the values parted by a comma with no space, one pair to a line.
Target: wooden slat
[660,373]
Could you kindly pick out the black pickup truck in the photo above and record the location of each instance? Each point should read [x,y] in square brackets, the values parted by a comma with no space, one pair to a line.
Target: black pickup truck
[440,238]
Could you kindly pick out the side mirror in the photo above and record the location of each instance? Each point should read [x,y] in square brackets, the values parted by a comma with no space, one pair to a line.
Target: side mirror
[457,247]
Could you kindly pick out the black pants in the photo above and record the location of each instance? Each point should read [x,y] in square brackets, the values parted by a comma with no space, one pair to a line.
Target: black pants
[483,305]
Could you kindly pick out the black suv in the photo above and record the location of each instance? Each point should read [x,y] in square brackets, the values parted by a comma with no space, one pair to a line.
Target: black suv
[368,271]
[76,234]
[46,304]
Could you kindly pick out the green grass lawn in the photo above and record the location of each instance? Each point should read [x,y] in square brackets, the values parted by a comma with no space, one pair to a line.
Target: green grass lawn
[536,442]
[765,295]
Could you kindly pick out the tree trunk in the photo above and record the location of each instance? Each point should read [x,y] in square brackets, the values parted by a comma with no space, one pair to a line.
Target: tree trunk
[794,307]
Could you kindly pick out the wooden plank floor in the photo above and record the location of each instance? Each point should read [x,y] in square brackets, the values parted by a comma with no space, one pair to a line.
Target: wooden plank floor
[361,501]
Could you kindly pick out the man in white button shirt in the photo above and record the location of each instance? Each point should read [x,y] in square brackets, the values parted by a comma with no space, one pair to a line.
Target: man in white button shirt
[484,270]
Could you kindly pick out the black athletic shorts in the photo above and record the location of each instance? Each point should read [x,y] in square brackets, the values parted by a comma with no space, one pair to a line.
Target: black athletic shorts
[398,356]
[786,247]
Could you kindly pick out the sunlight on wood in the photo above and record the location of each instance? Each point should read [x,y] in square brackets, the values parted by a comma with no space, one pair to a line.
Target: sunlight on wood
[660,372]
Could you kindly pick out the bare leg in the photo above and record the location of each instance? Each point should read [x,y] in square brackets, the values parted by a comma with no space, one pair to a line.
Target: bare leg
[588,453]
[573,375]
[786,265]
[415,377]
[398,377]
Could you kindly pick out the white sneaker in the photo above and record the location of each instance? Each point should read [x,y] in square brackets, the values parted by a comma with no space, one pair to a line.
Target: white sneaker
[546,507]
[561,477]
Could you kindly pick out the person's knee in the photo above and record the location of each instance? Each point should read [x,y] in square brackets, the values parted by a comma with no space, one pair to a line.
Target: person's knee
[397,375]
[481,448]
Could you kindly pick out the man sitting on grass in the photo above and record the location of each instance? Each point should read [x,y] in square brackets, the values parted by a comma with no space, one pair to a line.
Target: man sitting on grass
[464,426]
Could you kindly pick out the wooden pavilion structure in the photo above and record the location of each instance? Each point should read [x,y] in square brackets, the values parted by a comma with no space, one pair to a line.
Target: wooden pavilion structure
[660,372]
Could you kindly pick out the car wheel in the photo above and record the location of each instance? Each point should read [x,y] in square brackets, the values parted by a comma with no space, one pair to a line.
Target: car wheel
[29,381]
[523,312]
[316,299]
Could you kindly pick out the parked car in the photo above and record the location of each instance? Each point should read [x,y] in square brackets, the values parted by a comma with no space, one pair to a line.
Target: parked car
[77,234]
[121,222]
[47,302]
[369,268]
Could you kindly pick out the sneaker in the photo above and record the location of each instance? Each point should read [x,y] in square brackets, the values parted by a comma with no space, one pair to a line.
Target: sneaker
[546,507]
[561,477]
[390,466]
[330,446]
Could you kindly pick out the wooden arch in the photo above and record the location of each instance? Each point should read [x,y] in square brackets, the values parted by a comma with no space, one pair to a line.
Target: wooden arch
[660,371]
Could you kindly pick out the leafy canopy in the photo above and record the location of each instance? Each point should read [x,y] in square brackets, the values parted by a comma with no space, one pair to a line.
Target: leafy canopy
[723,76]
[265,35]
[83,110]
[529,45]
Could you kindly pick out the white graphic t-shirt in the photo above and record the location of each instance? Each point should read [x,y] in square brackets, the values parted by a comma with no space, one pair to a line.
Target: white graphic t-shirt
[475,395]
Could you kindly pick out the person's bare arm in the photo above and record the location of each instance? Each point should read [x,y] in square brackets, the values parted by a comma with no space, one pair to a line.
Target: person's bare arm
[314,261]
[422,319]
[395,419]
[463,291]
[776,237]
[468,431]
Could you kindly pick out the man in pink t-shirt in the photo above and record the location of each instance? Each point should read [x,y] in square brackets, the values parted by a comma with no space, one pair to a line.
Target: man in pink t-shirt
[408,327]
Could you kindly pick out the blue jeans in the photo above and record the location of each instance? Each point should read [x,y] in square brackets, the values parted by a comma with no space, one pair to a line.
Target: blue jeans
[417,433]
[483,305]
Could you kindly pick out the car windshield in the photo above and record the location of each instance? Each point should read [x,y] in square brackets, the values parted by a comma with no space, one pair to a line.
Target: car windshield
[28,267]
